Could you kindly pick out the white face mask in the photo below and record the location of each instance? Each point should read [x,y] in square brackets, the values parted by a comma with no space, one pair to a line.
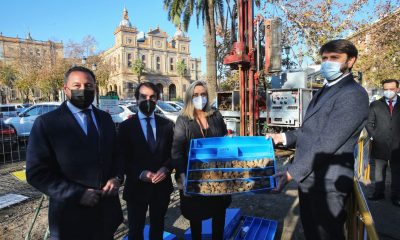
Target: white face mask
[389,94]
[199,102]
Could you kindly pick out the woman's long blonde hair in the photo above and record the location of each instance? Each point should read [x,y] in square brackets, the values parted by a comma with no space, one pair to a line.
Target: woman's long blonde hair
[188,108]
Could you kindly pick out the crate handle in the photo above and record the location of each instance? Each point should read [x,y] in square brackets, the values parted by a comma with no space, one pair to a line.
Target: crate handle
[225,152]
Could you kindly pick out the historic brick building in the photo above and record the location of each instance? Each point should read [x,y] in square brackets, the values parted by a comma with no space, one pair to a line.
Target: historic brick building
[159,55]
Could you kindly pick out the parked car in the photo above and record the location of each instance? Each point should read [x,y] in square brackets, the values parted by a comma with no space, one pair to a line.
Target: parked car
[123,113]
[176,104]
[162,108]
[23,123]
[8,110]
[8,138]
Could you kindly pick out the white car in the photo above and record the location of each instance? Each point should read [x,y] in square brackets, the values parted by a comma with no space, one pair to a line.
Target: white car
[176,104]
[162,108]
[23,123]
[123,113]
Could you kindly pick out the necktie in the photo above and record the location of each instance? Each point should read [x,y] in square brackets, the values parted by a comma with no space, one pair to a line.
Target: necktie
[391,106]
[323,91]
[92,133]
[150,135]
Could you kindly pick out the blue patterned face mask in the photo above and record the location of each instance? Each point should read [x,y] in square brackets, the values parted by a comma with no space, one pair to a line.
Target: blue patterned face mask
[331,70]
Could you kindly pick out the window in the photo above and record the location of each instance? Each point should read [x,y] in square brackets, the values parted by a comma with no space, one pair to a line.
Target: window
[144,60]
[192,65]
[10,49]
[37,110]
[38,52]
[129,60]
[48,108]
[171,64]
[158,64]
[184,87]
[183,49]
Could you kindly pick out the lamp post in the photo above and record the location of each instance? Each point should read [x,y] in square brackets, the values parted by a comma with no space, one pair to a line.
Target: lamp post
[287,60]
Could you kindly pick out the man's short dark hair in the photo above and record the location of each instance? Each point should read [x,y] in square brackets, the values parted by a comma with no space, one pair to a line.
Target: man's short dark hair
[340,46]
[149,85]
[390,81]
[79,69]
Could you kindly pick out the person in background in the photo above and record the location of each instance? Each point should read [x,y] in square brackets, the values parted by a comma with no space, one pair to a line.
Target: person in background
[145,142]
[384,129]
[72,158]
[198,120]
[323,165]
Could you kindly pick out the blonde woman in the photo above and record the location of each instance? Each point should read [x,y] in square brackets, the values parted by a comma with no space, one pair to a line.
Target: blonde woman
[198,120]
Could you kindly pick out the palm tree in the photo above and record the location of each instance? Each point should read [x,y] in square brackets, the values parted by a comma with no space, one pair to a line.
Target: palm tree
[138,68]
[210,11]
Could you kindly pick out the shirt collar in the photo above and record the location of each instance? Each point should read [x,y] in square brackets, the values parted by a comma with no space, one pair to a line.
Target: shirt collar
[74,109]
[330,84]
[394,100]
[142,116]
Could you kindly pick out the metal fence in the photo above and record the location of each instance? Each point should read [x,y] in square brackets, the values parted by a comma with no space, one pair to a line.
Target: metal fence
[360,224]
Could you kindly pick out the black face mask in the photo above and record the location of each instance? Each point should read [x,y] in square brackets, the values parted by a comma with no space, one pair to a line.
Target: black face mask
[82,98]
[147,107]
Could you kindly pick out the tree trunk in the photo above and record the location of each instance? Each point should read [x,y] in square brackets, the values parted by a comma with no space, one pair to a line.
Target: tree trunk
[211,54]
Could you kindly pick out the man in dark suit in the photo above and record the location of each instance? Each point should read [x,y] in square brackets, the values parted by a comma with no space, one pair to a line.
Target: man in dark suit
[384,128]
[71,157]
[146,141]
[324,163]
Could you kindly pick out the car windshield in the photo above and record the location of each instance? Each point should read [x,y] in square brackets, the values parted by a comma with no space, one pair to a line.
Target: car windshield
[166,107]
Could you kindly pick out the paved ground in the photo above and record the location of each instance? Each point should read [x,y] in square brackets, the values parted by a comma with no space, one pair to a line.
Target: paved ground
[14,221]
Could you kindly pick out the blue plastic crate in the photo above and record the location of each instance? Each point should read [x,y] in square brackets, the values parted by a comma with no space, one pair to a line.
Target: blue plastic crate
[256,228]
[225,154]
[166,235]
[232,219]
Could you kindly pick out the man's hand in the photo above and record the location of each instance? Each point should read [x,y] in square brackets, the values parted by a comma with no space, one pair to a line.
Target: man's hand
[90,197]
[276,137]
[111,187]
[283,178]
[147,176]
[181,182]
[160,175]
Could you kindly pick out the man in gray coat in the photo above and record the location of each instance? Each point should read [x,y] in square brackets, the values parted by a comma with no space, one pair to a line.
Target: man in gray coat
[323,165]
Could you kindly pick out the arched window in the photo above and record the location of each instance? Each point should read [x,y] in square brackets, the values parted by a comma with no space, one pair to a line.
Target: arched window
[171,64]
[172,91]
[161,89]
[144,60]
[158,63]
[129,60]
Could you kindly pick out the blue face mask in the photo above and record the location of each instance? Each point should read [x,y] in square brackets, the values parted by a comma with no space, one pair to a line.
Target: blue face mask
[199,102]
[331,70]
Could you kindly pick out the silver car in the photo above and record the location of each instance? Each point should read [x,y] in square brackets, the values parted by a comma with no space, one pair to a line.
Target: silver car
[23,123]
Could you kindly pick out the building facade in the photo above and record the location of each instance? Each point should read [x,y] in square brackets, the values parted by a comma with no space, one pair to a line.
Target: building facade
[379,50]
[13,48]
[22,54]
[159,56]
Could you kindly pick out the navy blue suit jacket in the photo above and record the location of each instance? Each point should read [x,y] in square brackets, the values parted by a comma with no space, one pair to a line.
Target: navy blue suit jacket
[61,164]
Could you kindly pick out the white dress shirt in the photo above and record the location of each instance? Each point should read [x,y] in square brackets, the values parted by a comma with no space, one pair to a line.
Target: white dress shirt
[81,117]
[394,101]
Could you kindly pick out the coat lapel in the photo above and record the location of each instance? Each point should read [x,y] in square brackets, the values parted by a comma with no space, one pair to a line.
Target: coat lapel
[99,127]
[322,100]
[158,130]
[71,121]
